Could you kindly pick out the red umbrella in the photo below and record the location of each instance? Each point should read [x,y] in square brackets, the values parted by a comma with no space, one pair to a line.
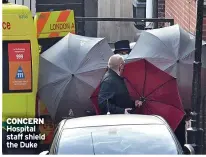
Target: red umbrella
[157,89]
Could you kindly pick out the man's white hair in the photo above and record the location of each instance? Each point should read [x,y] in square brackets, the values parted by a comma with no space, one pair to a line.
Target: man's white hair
[115,61]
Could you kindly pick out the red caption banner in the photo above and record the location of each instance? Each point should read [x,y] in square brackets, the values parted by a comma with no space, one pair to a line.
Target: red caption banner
[19,52]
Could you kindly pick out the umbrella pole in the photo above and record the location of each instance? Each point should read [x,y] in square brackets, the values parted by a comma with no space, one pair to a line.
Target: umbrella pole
[195,133]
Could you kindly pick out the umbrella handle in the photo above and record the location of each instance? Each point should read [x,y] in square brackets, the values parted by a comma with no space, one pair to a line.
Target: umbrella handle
[108,112]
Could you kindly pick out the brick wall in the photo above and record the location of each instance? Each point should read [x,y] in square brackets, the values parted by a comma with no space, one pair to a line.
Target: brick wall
[161,8]
[184,13]
[161,11]
[204,29]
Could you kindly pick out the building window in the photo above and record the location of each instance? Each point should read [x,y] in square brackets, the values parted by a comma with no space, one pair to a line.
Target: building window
[204,11]
[139,8]
[139,11]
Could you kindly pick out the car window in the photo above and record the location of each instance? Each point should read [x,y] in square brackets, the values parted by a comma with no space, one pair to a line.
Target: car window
[132,139]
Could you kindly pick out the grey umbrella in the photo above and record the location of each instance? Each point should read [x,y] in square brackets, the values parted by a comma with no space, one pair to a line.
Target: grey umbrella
[69,72]
[171,49]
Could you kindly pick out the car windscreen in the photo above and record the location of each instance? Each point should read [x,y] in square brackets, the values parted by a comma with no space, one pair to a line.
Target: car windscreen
[124,139]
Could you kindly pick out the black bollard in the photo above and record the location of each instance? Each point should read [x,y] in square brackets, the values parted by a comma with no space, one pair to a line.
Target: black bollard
[195,133]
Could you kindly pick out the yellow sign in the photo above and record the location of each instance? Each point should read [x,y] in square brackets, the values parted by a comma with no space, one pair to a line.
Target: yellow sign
[55,24]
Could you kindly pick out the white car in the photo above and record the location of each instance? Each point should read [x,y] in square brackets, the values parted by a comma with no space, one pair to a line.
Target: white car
[114,135]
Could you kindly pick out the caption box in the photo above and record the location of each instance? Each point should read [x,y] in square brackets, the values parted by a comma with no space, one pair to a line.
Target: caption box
[22,132]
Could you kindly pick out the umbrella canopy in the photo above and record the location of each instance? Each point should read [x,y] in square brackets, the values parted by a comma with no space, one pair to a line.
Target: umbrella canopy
[69,72]
[150,84]
[171,49]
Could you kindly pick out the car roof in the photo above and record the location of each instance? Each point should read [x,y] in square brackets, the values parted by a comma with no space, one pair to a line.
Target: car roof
[111,120]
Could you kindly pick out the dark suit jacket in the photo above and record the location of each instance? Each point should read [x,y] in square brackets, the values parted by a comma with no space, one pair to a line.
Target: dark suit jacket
[114,96]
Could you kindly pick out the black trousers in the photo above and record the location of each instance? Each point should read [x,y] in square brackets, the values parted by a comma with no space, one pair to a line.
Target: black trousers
[180,133]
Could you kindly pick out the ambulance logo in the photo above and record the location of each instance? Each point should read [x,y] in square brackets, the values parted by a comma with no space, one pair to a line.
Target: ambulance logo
[20,73]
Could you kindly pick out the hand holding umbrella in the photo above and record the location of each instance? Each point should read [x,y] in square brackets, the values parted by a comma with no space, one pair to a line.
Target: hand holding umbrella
[155,91]
[127,110]
[138,103]
[172,50]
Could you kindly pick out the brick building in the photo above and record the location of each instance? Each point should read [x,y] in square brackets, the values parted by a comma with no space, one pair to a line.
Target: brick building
[183,12]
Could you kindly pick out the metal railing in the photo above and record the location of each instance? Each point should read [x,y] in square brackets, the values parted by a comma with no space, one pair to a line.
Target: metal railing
[124,19]
[80,20]
[203,120]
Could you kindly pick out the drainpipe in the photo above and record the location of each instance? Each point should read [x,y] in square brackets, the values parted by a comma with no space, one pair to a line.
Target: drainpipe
[155,12]
[149,12]
[196,133]
[203,119]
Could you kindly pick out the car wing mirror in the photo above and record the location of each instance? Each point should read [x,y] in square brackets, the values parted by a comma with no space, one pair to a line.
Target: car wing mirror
[188,149]
[46,152]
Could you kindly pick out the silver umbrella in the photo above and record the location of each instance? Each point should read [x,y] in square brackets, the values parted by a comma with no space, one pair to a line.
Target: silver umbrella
[69,72]
[171,49]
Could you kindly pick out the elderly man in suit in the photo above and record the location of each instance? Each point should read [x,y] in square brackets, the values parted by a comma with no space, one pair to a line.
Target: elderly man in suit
[114,96]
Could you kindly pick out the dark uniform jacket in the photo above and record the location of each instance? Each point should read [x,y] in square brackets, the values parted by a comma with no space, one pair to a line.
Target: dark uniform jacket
[114,96]
[180,133]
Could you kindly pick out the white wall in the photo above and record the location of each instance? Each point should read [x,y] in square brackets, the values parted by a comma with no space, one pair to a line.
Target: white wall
[115,31]
[149,10]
